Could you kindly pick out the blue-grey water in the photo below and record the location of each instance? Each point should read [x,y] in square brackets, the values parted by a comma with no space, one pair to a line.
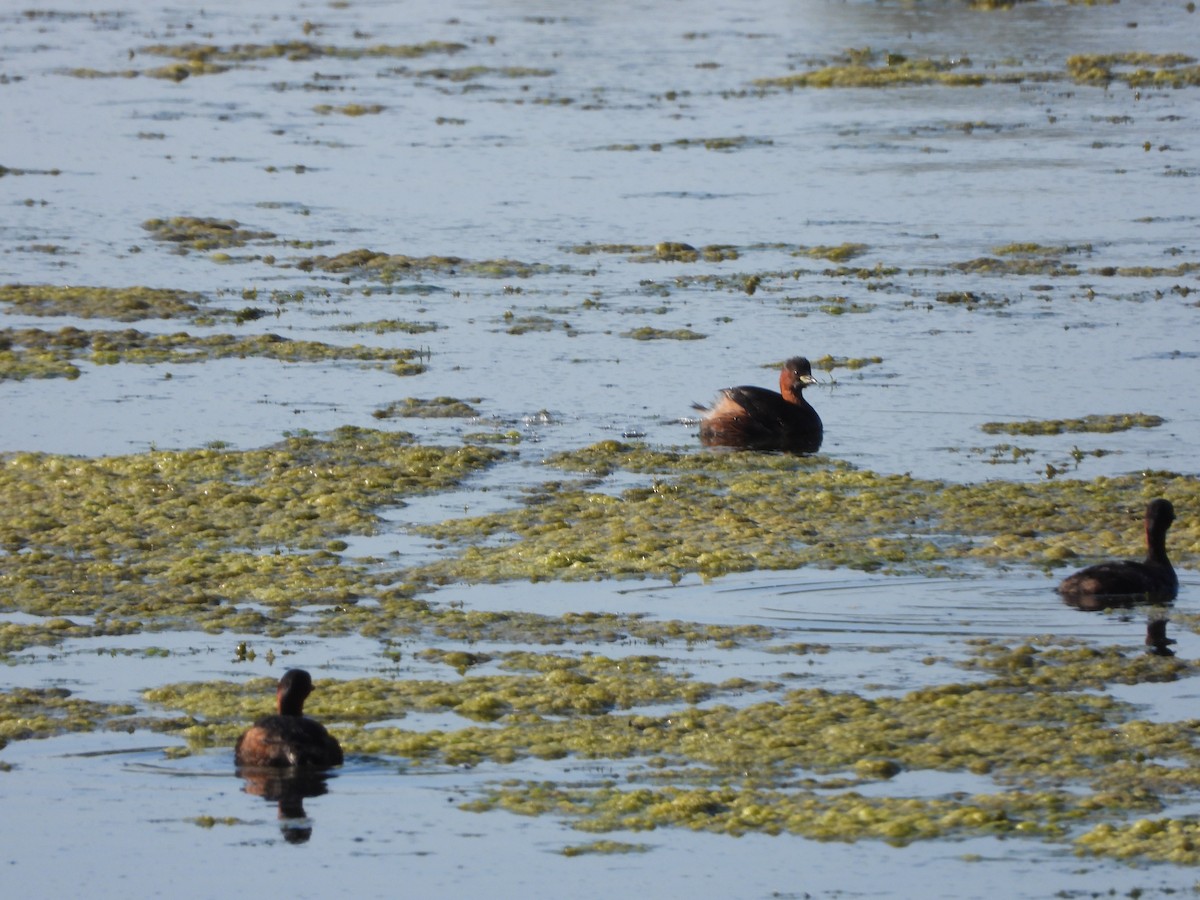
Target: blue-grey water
[586,124]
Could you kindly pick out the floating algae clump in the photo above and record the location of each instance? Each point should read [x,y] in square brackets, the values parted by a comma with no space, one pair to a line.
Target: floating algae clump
[40,713]
[122,304]
[866,68]
[1103,424]
[972,300]
[202,233]
[387,266]
[829,363]
[437,408]
[733,757]
[791,762]
[738,811]
[518,325]
[208,59]
[581,705]
[19,361]
[1016,264]
[1028,248]
[604,847]
[1048,752]
[387,326]
[716,513]
[838,253]
[1071,665]
[1134,69]
[208,539]
[1162,840]
[1067,755]
[178,71]
[833,306]
[350,109]
[297,51]
[471,73]
[646,333]
[557,686]
[719,144]
[674,251]
[32,352]
[49,631]
[663,251]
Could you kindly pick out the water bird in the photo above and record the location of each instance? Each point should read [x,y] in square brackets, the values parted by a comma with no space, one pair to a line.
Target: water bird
[1153,578]
[289,738]
[755,418]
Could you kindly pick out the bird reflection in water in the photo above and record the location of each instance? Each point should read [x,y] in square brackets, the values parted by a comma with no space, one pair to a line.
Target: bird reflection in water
[288,788]
[1157,641]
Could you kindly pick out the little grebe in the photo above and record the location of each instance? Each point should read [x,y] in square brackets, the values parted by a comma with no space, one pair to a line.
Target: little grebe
[1153,578]
[289,738]
[754,418]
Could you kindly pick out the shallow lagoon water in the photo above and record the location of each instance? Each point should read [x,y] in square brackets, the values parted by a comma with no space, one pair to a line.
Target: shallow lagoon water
[152,822]
[598,139]
[378,827]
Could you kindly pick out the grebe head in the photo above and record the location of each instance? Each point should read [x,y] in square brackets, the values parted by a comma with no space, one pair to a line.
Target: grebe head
[293,689]
[1160,513]
[794,377]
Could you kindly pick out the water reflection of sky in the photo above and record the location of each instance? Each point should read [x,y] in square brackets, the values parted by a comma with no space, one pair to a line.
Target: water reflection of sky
[378,826]
[894,169]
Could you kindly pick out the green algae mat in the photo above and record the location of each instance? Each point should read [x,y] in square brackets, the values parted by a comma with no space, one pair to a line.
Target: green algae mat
[255,542]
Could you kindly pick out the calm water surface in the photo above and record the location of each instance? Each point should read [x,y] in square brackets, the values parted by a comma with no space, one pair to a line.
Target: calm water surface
[588,125]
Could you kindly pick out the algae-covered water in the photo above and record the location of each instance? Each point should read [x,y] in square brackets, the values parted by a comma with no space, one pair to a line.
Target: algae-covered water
[364,337]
